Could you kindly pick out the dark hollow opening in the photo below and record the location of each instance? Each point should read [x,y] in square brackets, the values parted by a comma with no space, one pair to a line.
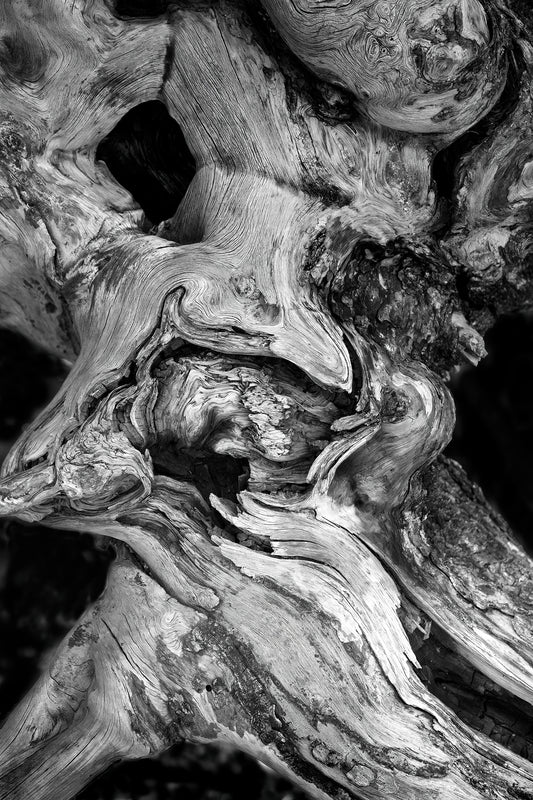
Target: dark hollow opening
[147,153]
[211,473]
[493,438]
[140,8]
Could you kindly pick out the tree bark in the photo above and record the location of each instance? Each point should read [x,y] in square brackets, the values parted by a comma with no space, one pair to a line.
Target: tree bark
[347,608]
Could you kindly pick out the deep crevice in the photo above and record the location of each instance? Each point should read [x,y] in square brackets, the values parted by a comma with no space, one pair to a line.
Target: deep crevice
[475,699]
[493,436]
[446,162]
[211,473]
[146,152]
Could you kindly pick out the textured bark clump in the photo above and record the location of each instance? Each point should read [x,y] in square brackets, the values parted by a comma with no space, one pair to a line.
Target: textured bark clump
[335,207]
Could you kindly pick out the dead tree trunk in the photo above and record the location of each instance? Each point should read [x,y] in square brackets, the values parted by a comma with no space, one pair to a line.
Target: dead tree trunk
[302,311]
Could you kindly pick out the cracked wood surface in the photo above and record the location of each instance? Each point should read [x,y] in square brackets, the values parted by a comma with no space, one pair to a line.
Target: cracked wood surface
[301,312]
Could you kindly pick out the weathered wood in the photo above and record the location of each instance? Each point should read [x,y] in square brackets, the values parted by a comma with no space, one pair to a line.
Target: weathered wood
[299,313]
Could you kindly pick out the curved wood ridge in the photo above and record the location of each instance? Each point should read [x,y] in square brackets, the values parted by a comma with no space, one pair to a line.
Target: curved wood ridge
[299,314]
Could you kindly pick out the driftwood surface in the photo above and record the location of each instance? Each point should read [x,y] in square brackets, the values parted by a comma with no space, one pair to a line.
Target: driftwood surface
[358,215]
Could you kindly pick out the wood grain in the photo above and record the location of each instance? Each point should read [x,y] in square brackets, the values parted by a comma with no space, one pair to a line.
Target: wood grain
[300,313]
